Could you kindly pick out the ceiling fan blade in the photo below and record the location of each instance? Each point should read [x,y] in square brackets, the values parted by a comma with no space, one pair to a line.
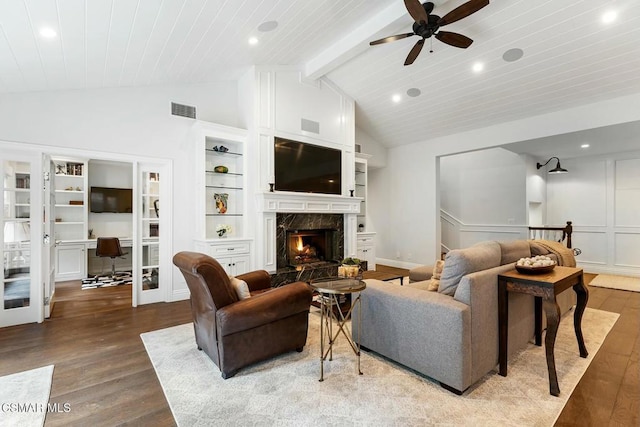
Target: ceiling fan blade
[462,11]
[415,51]
[454,39]
[391,38]
[416,10]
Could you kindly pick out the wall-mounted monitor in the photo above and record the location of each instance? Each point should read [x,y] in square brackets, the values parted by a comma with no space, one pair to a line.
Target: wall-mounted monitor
[307,168]
[114,200]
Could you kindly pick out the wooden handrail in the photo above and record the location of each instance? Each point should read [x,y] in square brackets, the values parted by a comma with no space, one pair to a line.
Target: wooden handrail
[566,232]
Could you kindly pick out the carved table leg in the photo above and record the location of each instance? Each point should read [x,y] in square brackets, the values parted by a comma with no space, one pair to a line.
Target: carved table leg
[583,296]
[503,324]
[553,319]
[538,320]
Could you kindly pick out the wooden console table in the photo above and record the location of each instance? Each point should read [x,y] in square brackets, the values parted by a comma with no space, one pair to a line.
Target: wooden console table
[544,287]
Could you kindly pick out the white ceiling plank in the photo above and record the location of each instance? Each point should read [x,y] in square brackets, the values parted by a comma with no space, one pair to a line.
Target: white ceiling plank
[142,27]
[10,74]
[44,14]
[72,32]
[120,31]
[19,35]
[98,23]
[166,19]
[181,30]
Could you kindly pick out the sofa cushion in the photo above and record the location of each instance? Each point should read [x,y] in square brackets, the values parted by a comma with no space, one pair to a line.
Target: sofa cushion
[420,273]
[513,250]
[460,262]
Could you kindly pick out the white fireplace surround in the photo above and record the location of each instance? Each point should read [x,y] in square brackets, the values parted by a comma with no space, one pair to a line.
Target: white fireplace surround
[270,203]
[285,201]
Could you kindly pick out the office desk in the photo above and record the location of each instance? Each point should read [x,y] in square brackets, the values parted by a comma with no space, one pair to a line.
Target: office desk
[100,265]
[76,259]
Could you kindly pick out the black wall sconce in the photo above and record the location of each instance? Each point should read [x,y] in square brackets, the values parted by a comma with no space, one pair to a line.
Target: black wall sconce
[557,169]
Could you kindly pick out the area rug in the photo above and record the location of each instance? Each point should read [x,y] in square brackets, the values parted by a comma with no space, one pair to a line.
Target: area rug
[120,278]
[616,282]
[286,390]
[24,397]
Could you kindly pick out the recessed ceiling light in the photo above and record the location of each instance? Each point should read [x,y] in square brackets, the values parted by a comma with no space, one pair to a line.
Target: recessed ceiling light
[609,16]
[396,98]
[268,26]
[48,33]
[477,67]
[585,146]
[253,40]
[513,55]
[413,92]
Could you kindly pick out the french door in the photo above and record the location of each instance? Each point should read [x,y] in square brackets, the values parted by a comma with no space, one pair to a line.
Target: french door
[152,229]
[48,240]
[21,232]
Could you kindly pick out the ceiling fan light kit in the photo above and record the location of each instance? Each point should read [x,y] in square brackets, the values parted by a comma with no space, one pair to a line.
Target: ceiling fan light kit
[427,25]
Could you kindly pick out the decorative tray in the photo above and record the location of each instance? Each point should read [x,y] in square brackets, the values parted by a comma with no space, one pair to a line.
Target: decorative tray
[524,269]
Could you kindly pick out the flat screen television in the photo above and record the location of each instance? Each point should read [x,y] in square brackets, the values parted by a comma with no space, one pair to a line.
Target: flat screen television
[307,168]
[115,200]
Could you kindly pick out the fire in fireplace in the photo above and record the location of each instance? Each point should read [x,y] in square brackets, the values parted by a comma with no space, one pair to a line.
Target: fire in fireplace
[310,246]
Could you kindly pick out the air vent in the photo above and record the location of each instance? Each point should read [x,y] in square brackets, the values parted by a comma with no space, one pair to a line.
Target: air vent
[183,110]
[310,126]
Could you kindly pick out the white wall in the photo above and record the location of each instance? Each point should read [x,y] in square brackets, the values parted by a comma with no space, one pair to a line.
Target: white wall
[414,222]
[111,175]
[371,146]
[125,121]
[601,195]
[483,197]
[484,187]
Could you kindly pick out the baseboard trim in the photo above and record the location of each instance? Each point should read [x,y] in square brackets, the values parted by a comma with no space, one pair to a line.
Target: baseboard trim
[596,269]
[180,295]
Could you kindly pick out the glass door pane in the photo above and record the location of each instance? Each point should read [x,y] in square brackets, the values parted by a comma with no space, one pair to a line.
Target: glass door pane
[150,229]
[16,287]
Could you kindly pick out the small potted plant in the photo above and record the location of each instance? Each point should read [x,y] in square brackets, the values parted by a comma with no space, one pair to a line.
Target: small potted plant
[351,266]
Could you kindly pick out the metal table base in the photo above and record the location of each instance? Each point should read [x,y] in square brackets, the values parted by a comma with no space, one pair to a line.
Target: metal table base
[327,317]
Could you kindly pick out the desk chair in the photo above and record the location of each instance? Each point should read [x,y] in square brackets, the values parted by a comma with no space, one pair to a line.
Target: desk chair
[109,247]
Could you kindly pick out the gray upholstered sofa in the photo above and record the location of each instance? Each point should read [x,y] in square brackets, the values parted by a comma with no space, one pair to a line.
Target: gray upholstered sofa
[451,335]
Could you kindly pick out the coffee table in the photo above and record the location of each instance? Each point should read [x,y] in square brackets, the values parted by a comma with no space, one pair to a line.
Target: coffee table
[330,289]
[544,287]
[381,275]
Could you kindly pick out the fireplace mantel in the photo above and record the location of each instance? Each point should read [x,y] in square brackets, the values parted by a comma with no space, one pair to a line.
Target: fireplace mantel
[289,202]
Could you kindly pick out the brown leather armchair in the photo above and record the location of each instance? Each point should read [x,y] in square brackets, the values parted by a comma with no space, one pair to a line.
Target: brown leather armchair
[235,333]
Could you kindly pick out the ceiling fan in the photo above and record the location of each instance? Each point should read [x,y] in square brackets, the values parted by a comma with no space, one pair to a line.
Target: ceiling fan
[427,25]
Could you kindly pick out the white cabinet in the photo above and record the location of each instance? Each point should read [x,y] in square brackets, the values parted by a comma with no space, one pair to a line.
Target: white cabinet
[366,249]
[234,255]
[70,262]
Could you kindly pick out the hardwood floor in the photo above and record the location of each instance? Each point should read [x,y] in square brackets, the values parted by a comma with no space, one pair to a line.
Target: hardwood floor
[102,369]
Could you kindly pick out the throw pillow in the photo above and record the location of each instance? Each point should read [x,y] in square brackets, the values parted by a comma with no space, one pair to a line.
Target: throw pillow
[241,287]
[437,269]
[434,282]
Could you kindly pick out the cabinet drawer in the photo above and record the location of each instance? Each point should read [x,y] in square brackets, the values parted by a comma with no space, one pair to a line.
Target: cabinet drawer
[228,249]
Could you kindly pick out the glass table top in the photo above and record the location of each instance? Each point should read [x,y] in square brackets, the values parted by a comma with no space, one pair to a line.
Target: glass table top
[338,285]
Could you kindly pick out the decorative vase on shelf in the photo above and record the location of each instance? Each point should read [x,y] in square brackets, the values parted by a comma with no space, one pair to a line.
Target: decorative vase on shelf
[221,202]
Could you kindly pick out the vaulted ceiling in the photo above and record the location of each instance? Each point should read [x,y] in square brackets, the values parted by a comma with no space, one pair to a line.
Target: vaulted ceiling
[570,56]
